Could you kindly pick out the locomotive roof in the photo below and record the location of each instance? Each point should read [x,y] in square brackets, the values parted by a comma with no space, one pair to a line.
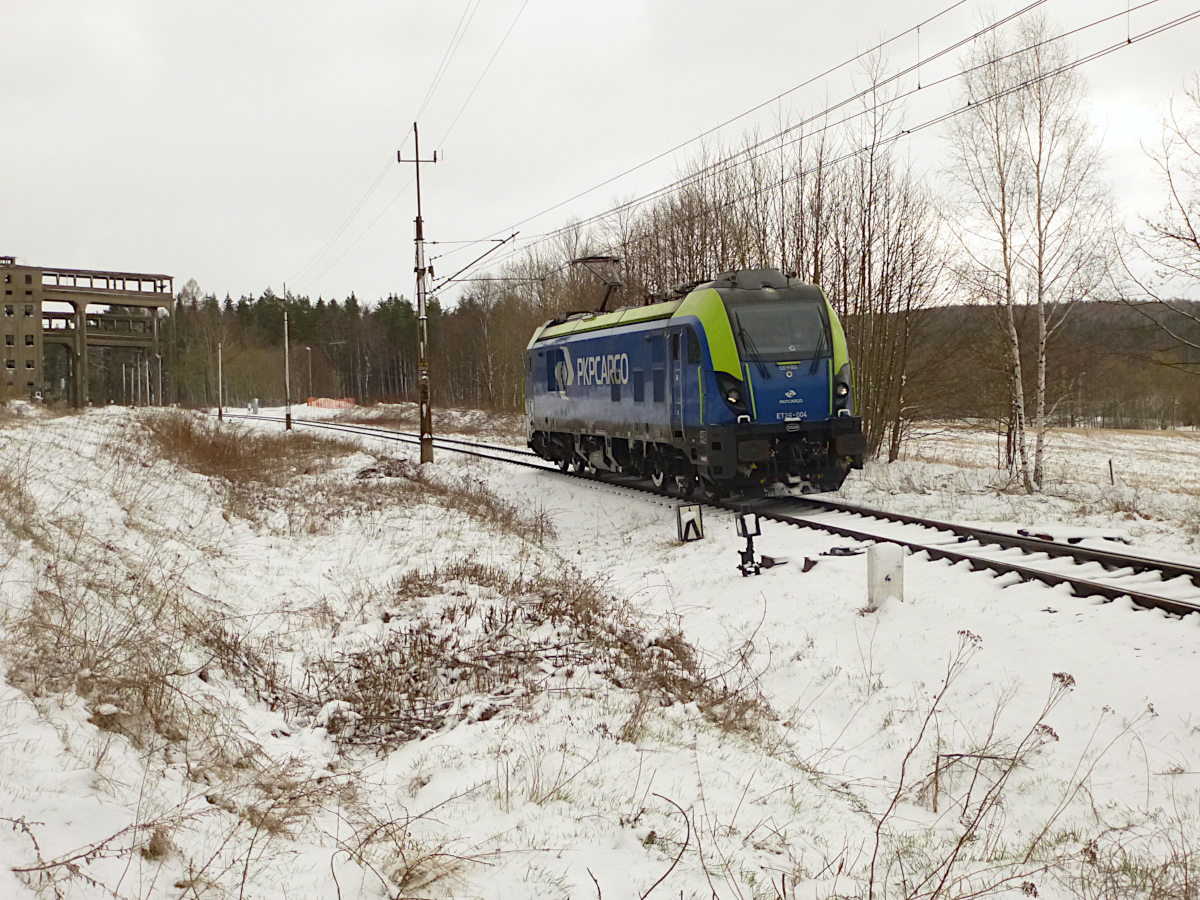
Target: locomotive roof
[625,316]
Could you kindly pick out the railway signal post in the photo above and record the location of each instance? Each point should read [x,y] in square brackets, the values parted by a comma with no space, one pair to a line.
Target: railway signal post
[422,320]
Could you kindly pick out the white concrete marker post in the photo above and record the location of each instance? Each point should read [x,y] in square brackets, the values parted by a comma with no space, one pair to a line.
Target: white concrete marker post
[885,574]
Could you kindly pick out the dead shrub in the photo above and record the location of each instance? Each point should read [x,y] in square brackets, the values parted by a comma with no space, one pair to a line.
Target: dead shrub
[467,640]
[1153,861]
[237,454]
[113,638]
[458,421]
[467,495]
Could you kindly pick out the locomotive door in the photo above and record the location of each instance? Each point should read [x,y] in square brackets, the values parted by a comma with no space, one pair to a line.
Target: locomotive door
[676,378]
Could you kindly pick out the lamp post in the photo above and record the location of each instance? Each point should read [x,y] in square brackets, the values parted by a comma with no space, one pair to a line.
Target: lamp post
[308,350]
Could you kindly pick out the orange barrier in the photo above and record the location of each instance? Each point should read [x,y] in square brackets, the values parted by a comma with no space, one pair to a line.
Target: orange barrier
[327,403]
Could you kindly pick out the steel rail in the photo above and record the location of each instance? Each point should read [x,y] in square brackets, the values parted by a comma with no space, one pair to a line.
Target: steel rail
[1080,587]
[1028,543]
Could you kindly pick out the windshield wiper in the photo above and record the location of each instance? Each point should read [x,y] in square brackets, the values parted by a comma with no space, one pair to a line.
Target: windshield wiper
[748,343]
[812,369]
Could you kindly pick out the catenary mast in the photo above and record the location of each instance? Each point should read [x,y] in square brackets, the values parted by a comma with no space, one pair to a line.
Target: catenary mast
[422,317]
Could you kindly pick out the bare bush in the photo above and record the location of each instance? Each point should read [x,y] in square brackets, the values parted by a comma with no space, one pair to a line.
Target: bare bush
[467,495]
[239,455]
[485,645]
[1154,860]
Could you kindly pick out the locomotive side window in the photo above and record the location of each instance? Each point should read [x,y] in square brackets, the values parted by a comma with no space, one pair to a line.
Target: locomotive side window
[693,346]
[552,359]
[660,386]
[639,386]
[674,347]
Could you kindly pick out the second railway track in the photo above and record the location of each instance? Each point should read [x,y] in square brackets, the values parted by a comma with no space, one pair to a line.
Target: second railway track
[1153,584]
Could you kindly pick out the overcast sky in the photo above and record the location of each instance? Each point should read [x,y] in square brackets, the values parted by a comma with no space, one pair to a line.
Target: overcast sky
[230,141]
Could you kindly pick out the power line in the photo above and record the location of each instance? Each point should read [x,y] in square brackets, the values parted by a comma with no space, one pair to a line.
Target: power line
[460,31]
[344,225]
[752,110]
[487,67]
[972,104]
[750,155]
[455,42]
[361,235]
[534,239]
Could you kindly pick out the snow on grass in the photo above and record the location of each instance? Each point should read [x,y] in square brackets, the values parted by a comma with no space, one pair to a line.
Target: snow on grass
[364,678]
[950,472]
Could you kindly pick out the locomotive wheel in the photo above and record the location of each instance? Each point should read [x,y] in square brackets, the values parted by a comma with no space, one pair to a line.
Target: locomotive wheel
[657,477]
[564,466]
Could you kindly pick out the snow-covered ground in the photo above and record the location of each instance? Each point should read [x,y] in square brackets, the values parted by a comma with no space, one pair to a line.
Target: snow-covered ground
[360,679]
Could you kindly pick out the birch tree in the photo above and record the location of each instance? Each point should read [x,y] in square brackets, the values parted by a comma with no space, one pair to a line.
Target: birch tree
[1067,249]
[1034,222]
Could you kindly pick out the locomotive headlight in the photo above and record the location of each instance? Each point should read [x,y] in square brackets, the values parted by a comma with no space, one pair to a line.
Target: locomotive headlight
[841,391]
[731,392]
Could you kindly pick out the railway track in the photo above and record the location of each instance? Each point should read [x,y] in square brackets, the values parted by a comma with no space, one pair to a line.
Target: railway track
[1149,583]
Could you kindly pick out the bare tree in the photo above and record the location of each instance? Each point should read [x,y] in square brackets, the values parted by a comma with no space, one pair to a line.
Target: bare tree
[1033,224]
[988,165]
[1170,242]
[1067,250]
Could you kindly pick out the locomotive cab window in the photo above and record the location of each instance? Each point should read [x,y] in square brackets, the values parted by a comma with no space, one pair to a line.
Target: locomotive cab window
[777,331]
[693,348]
[674,347]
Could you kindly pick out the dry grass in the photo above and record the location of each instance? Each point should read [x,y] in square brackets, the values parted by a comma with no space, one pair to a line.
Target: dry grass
[400,480]
[466,640]
[459,421]
[239,455]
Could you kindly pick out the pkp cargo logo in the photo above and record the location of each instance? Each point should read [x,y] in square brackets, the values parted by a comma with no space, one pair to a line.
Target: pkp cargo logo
[610,369]
[564,375]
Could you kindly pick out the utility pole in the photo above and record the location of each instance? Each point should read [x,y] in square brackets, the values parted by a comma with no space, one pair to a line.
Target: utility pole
[308,350]
[220,386]
[287,367]
[422,319]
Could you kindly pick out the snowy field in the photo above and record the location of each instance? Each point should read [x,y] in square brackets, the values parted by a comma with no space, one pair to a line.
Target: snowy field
[347,676]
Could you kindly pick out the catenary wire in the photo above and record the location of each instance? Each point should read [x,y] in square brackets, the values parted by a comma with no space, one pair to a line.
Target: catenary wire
[460,31]
[937,120]
[683,182]
[731,161]
[742,115]
[499,47]
[451,48]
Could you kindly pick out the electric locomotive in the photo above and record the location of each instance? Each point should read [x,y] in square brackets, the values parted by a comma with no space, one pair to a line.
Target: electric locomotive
[743,382]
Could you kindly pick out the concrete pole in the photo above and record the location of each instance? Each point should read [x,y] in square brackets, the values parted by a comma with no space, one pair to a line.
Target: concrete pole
[287,369]
[220,386]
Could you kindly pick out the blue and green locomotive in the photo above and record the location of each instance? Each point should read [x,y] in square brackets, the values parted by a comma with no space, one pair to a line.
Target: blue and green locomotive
[743,382]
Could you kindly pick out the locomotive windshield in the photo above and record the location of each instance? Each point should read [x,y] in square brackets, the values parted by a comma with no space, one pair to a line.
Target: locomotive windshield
[778,331]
